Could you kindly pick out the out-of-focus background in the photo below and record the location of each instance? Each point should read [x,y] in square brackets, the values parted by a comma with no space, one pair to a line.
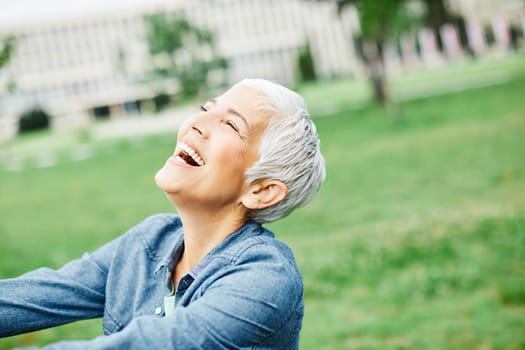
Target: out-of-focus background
[417,238]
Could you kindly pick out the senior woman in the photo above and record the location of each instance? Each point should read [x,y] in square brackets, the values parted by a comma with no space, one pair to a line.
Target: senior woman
[210,277]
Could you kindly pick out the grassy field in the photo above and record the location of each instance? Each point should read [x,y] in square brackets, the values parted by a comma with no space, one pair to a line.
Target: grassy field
[415,241]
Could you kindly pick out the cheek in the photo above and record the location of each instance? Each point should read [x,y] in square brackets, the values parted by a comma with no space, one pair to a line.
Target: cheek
[235,152]
[240,153]
[230,160]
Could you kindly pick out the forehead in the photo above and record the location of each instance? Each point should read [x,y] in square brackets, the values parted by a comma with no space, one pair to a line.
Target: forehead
[247,102]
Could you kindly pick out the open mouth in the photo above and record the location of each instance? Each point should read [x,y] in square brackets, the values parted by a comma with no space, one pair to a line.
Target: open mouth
[189,155]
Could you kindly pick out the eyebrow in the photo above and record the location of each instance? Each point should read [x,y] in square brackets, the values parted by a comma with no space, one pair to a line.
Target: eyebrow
[232,111]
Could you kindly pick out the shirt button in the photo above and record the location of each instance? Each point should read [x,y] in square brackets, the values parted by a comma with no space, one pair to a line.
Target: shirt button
[158,310]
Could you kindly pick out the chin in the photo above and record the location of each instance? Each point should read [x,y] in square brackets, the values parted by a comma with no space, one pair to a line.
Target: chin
[162,179]
[167,180]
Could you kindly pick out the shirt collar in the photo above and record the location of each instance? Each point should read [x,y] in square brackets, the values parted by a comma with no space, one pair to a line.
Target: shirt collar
[249,229]
[171,254]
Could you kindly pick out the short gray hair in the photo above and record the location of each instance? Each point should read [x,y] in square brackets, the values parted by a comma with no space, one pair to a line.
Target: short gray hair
[289,150]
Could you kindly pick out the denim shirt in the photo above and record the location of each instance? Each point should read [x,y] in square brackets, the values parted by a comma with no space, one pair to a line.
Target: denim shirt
[246,293]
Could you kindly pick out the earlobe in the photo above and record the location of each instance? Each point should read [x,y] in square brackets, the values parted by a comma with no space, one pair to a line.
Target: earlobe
[264,193]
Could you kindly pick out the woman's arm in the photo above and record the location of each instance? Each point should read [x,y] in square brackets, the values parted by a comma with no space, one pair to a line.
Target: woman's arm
[45,297]
[255,303]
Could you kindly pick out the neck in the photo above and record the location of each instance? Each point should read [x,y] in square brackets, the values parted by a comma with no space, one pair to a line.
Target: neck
[203,231]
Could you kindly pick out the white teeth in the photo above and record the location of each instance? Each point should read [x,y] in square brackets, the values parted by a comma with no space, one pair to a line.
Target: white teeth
[192,153]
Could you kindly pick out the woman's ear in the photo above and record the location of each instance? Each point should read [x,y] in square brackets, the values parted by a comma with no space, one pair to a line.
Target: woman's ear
[264,193]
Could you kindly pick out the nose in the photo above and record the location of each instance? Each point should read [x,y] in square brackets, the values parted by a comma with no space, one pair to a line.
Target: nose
[197,129]
[198,125]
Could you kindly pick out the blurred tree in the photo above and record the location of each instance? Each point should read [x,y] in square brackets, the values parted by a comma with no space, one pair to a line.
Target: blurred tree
[8,48]
[182,51]
[380,22]
[437,14]
[305,64]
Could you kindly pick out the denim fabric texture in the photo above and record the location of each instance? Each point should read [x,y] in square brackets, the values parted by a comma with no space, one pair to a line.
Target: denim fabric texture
[247,293]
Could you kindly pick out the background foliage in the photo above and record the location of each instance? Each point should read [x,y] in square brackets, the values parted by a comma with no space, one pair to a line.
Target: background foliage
[183,51]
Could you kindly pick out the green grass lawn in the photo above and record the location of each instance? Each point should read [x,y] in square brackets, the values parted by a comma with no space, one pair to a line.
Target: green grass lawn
[415,241]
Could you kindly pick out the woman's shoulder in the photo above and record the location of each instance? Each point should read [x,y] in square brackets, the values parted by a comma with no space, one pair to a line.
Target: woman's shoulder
[265,268]
[265,250]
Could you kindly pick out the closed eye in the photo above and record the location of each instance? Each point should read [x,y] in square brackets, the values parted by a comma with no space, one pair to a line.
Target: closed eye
[228,122]
[232,125]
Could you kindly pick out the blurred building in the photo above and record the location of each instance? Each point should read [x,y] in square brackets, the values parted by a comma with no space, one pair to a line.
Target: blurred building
[485,11]
[82,66]
[501,21]
[89,64]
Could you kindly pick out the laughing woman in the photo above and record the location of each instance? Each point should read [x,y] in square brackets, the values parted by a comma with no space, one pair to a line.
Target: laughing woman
[210,277]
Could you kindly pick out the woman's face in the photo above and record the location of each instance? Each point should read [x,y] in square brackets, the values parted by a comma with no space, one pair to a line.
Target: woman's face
[214,149]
